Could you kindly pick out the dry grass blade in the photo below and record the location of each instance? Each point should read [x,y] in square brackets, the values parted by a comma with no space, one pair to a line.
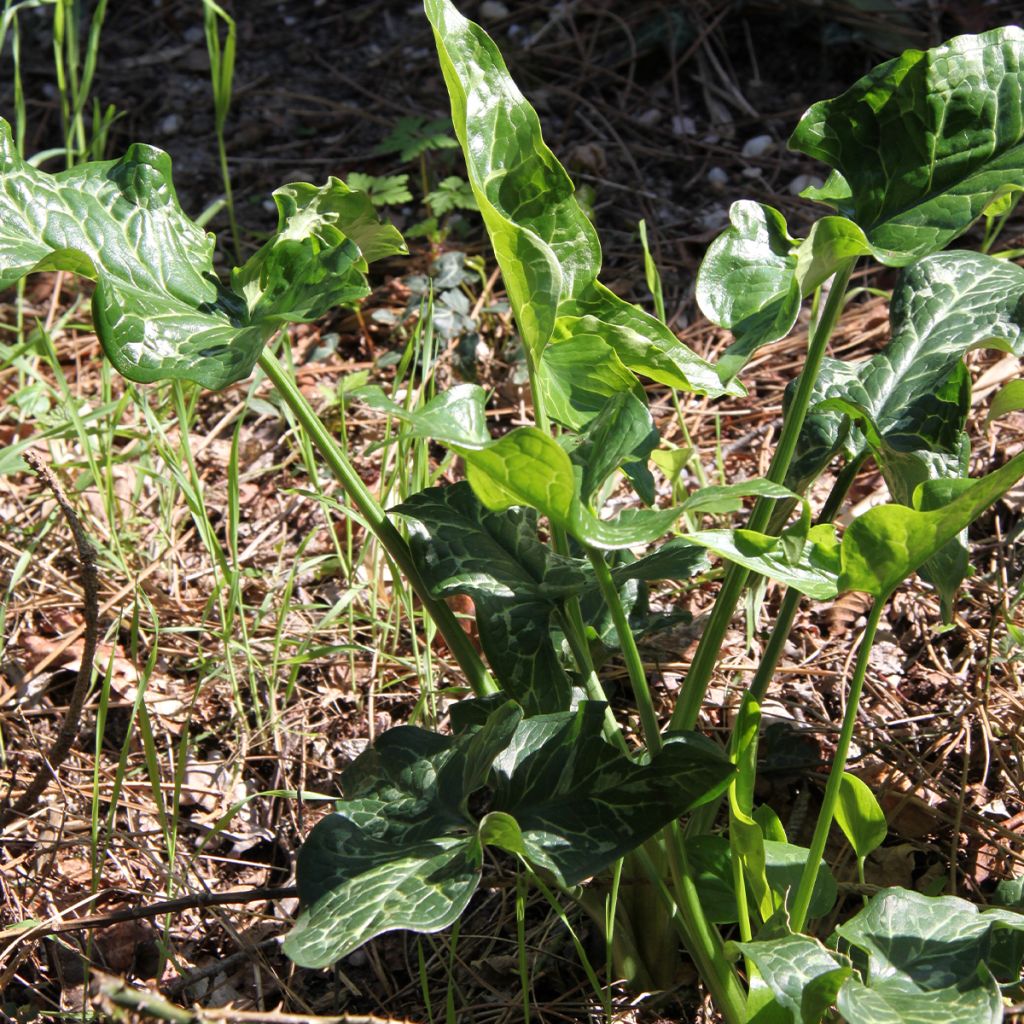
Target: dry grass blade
[71,725]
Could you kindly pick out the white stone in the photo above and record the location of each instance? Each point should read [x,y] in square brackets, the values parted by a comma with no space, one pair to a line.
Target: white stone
[757,146]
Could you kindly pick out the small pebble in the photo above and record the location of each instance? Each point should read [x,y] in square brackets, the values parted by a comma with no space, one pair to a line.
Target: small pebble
[649,118]
[752,172]
[169,125]
[493,10]
[802,181]
[757,146]
[717,178]
[683,126]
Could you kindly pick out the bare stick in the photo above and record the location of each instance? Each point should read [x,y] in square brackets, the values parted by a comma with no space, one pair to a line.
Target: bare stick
[191,902]
[90,607]
[111,993]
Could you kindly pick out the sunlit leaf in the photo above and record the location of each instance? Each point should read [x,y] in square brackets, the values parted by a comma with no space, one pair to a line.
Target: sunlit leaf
[884,546]
[546,246]
[924,142]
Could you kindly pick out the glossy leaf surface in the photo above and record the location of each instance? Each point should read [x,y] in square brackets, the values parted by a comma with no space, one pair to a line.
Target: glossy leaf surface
[891,1004]
[747,282]
[941,308]
[158,308]
[884,546]
[859,815]
[515,582]
[928,942]
[803,975]
[404,848]
[923,143]
[547,248]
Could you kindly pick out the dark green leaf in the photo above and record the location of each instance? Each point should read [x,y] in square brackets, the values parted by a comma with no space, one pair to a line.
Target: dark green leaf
[581,804]
[399,853]
[514,580]
[925,142]
[710,857]
[404,848]
[623,429]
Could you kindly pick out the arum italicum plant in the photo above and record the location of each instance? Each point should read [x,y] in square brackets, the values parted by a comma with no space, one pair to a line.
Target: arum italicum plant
[535,763]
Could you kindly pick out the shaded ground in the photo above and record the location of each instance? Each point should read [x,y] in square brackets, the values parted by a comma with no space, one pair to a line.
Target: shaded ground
[254,694]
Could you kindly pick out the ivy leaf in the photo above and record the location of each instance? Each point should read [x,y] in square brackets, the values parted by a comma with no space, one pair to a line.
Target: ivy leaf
[395,855]
[621,432]
[582,372]
[525,467]
[548,250]
[158,308]
[803,975]
[914,191]
[404,849]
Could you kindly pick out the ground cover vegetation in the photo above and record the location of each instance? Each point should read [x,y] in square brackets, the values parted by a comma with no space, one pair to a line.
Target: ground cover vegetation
[604,797]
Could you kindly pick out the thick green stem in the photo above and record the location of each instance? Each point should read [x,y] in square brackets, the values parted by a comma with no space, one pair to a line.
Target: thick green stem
[575,634]
[630,651]
[698,935]
[383,529]
[706,656]
[802,898]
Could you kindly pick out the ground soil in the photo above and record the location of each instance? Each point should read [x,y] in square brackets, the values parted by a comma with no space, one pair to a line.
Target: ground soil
[650,105]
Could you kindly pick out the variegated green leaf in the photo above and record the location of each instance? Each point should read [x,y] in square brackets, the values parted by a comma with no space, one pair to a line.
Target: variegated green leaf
[158,308]
[922,144]
[404,848]
[547,248]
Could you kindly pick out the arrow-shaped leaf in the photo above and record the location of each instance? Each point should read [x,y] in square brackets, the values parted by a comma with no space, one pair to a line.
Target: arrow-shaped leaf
[924,143]
[159,310]
[548,250]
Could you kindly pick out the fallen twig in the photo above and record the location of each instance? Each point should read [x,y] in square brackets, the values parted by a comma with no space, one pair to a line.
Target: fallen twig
[113,996]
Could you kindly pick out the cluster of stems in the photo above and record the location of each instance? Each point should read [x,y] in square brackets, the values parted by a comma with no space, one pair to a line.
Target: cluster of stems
[678,894]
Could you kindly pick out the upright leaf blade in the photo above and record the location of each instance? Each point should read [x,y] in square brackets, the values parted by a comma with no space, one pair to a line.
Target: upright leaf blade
[548,250]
